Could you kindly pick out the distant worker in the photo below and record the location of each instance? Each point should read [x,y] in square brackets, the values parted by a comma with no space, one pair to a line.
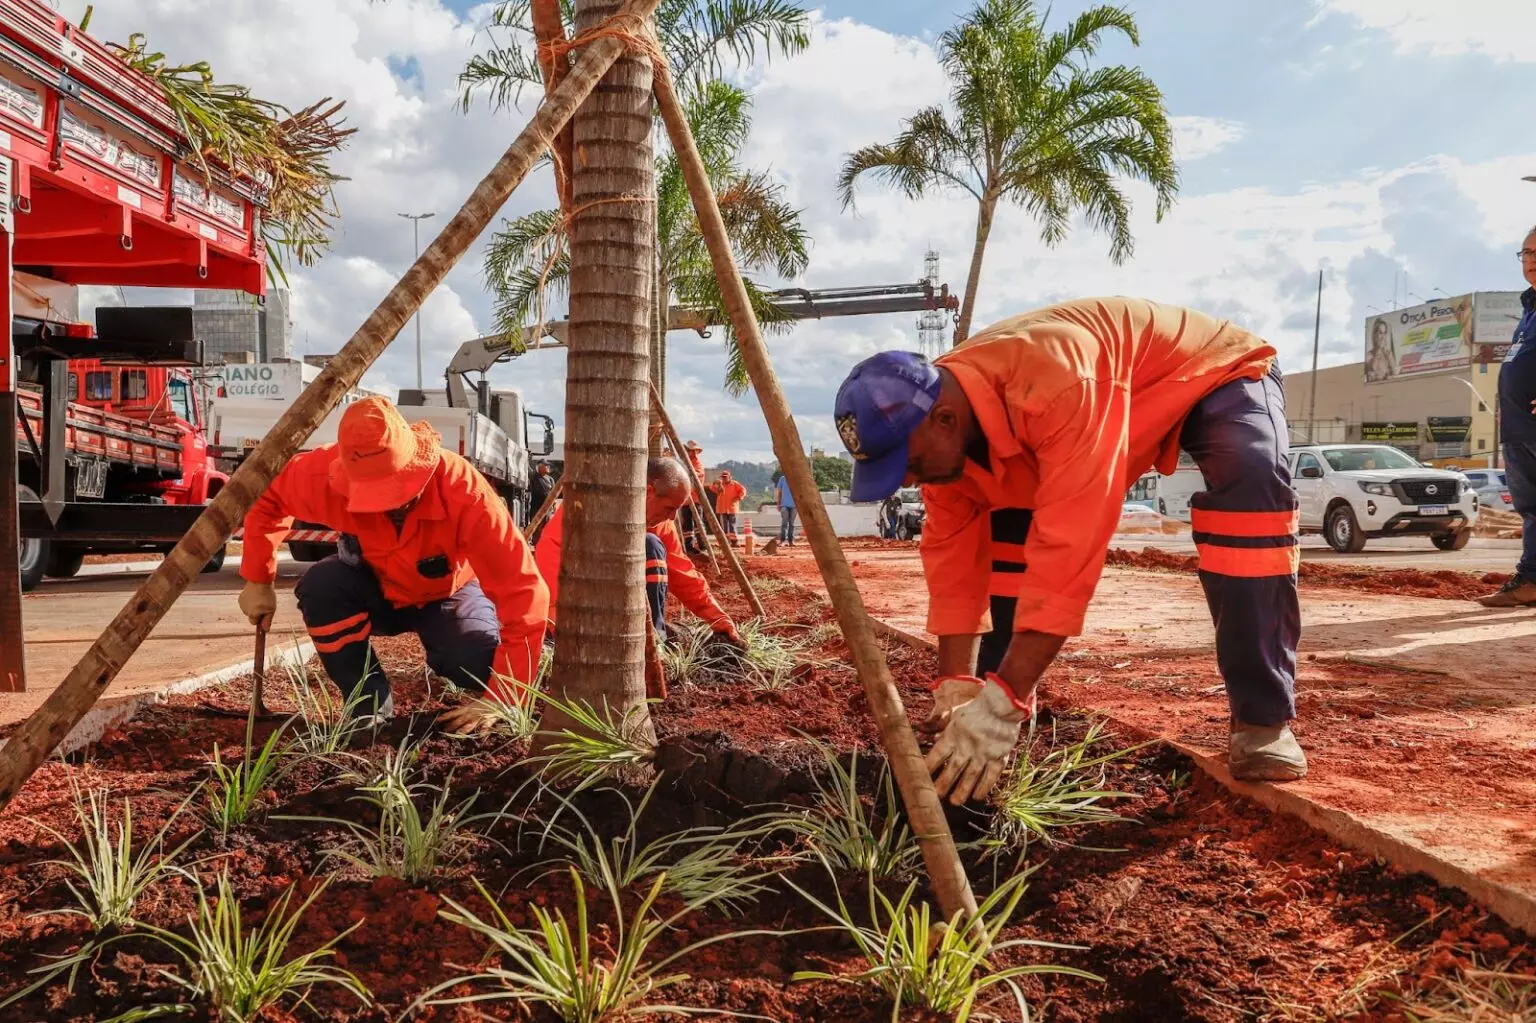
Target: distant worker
[667,567]
[1025,438]
[890,516]
[1517,415]
[786,510]
[428,547]
[728,495]
[540,486]
[692,525]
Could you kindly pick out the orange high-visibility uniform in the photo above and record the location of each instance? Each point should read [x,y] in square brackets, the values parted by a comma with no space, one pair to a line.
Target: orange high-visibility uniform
[458,517]
[728,499]
[682,576]
[696,460]
[1076,401]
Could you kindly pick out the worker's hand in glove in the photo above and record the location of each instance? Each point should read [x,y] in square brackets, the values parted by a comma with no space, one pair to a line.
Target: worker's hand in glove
[726,634]
[949,692]
[968,758]
[258,602]
[477,715]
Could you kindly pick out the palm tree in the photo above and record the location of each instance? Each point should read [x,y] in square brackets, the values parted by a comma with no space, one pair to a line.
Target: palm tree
[527,259]
[698,37]
[1033,123]
[603,622]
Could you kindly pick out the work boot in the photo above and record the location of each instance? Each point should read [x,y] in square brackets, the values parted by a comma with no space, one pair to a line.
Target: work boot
[1266,753]
[1518,592]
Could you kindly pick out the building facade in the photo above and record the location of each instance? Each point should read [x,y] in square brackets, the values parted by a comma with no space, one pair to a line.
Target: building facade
[236,327]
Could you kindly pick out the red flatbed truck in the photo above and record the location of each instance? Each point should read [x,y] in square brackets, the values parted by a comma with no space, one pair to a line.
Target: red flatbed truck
[97,186]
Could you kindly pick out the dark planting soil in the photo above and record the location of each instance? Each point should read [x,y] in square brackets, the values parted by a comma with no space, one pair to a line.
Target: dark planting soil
[1196,906]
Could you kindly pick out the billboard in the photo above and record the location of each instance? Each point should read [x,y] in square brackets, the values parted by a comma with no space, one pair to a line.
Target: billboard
[1399,432]
[1437,336]
[1449,429]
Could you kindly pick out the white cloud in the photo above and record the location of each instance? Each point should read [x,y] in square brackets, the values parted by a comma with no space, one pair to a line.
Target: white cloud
[1501,29]
[1195,138]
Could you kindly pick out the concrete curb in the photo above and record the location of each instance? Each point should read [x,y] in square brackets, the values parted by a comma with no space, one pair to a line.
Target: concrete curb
[1512,905]
[110,712]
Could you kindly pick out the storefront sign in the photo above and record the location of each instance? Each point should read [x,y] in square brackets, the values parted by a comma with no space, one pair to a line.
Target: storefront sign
[1390,433]
[1449,429]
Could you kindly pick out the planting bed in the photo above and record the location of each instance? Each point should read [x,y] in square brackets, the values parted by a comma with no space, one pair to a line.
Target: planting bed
[1197,905]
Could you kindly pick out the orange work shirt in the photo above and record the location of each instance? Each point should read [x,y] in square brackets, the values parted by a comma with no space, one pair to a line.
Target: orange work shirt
[683,577]
[458,516]
[697,462]
[1076,401]
[728,499]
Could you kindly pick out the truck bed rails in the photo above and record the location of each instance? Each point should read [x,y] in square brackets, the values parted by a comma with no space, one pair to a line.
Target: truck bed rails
[95,433]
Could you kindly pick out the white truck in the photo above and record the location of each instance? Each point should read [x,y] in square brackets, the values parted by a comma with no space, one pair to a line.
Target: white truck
[1353,492]
[496,443]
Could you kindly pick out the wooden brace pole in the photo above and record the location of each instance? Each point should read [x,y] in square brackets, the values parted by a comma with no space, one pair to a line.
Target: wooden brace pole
[555,65]
[41,733]
[945,870]
[546,509]
[702,502]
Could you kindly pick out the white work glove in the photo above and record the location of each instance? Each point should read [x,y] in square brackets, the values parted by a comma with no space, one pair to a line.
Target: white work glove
[968,758]
[949,692]
[258,602]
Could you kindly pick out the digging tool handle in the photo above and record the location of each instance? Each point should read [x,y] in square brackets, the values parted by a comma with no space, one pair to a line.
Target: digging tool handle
[259,669]
[37,737]
[950,885]
[701,499]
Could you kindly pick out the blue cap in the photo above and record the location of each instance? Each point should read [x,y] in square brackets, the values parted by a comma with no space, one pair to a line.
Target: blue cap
[883,400]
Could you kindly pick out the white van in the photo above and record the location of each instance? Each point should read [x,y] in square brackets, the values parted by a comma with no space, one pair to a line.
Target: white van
[1169,495]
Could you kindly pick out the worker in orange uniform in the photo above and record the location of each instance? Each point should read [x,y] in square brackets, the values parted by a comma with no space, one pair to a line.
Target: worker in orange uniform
[667,566]
[692,526]
[1026,438]
[728,497]
[427,547]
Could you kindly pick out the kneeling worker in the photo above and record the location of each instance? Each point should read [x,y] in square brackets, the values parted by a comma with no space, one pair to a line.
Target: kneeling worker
[428,547]
[1026,438]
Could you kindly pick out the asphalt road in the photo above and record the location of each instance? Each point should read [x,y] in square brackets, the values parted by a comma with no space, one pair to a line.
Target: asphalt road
[1478,556]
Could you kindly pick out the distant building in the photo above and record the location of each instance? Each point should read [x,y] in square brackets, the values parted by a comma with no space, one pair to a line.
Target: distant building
[236,327]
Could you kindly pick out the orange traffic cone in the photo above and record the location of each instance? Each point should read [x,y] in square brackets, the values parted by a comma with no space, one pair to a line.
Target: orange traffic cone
[749,541]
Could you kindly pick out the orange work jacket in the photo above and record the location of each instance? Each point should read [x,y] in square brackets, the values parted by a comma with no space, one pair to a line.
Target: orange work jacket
[695,460]
[458,516]
[683,578]
[728,499]
[1076,401]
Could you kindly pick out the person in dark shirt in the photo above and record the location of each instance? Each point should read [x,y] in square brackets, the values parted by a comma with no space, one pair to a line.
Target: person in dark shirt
[540,486]
[1517,422]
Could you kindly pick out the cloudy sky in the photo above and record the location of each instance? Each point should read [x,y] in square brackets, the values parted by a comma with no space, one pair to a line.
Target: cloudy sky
[1382,141]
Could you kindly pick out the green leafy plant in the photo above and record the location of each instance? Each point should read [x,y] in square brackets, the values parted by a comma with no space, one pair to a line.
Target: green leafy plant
[770,660]
[240,973]
[326,722]
[552,963]
[595,749]
[107,874]
[234,792]
[845,834]
[1065,788]
[921,962]
[703,865]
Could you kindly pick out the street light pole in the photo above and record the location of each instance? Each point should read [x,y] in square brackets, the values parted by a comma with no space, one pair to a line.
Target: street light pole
[416,219]
[1317,336]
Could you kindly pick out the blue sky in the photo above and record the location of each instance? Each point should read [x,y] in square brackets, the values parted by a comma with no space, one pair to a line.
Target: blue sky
[1381,140]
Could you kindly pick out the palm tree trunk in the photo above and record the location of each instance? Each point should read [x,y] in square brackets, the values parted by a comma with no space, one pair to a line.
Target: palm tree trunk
[987,208]
[37,737]
[600,655]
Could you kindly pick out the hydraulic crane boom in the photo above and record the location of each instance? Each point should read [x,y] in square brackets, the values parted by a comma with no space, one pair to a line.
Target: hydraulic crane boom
[481,353]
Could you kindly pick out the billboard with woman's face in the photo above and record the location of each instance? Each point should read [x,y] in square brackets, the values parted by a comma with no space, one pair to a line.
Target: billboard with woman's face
[1428,338]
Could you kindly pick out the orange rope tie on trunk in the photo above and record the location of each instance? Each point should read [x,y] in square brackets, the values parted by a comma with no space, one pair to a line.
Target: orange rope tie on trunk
[551,238]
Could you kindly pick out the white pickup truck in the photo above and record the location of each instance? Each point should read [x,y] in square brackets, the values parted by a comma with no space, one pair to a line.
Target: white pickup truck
[1353,492]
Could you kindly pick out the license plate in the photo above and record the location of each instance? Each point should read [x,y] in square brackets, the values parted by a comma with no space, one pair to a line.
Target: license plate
[1434,509]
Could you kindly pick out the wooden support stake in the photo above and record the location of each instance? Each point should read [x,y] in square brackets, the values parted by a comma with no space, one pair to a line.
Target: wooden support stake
[41,733]
[945,870]
[549,31]
[702,501]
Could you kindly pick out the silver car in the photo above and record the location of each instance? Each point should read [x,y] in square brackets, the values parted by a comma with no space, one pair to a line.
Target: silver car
[1492,488]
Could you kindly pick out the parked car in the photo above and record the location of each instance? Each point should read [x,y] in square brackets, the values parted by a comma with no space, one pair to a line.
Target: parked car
[909,521]
[1353,492]
[1135,516]
[1491,487]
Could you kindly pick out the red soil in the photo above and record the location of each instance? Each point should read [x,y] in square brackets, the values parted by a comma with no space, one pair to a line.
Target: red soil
[1210,909]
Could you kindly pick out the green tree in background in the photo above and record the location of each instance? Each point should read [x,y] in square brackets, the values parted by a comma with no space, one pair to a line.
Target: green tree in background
[1031,122]
[831,473]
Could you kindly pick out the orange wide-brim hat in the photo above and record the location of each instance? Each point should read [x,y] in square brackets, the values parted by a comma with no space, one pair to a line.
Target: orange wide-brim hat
[383,462]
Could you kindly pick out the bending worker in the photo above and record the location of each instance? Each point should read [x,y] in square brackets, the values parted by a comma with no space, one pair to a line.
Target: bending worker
[667,567]
[1026,438]
[428,547]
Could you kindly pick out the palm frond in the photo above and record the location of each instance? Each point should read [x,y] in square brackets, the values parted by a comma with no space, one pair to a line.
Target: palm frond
[525,261]
[765,231]
[927,153]
[699,35]
[501,73]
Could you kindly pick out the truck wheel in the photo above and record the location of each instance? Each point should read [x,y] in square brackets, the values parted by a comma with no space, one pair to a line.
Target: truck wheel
[1452,541]
[65,562]
[217,561]
[903,530]
[34,551]
[1343,532]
